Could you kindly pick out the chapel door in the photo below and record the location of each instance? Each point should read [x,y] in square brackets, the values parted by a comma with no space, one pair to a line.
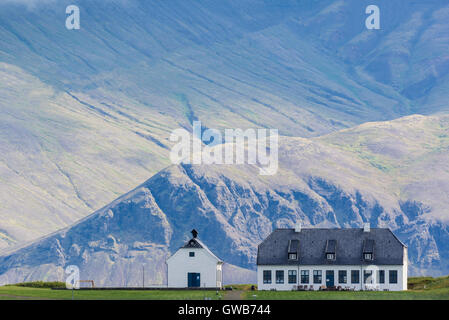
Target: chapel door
[194,280]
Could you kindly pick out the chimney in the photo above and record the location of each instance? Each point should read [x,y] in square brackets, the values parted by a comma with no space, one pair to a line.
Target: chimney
[366,227]
[298,227]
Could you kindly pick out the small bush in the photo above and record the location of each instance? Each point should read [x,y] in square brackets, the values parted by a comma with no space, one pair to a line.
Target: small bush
[244,287]
[41,285]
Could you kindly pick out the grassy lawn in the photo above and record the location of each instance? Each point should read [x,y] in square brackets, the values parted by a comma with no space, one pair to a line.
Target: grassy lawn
[420,288]
[433,294]
[23,293]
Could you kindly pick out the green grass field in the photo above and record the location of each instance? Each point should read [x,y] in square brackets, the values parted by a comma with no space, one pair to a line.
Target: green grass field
[433,294]
[23,293]
[420,288]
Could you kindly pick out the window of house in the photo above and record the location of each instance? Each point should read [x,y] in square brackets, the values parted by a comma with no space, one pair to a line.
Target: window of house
[368,276]
[267,276]
[355,276]
[331,256]
[317,276]
[304,276]
[393,276]
[368,256]
[280,276]
[342,276]
[191,254]
[292,274]
[381,276]
[292,256]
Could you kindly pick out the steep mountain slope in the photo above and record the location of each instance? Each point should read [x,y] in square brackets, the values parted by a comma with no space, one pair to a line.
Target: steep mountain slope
[340,180]
[213,60]
[408,53]
[60,160]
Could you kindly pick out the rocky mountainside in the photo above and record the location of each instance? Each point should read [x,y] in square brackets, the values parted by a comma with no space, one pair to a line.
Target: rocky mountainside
[86,115]
[383,173]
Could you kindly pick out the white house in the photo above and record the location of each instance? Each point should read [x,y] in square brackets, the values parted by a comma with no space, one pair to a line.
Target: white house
[317,258]
[194,266]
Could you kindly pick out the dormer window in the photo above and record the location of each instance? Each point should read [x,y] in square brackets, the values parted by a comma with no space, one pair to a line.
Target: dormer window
[191,254]
[293,248]
[368,250]
[368,256]
[331,248]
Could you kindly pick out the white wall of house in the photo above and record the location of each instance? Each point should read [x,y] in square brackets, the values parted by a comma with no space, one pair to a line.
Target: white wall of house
[181,263]
[401,272]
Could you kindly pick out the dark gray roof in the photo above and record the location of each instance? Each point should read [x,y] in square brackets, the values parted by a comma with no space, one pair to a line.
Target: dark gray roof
[348,245]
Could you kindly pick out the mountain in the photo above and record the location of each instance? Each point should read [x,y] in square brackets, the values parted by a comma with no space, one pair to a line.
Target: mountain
[407,54]
[86,114]
[383,173]
[60,160]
